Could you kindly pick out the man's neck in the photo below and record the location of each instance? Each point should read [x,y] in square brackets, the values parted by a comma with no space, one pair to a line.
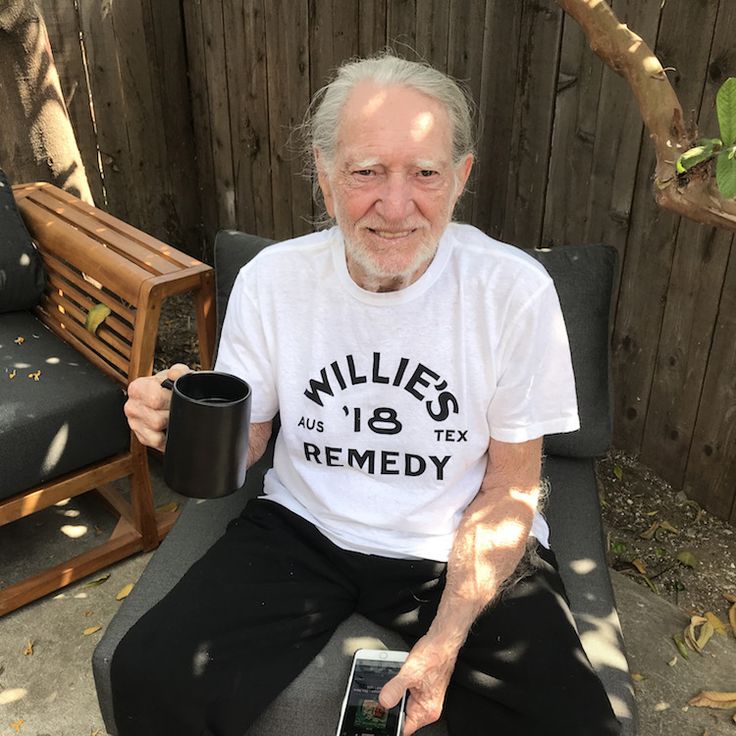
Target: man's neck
[383,283]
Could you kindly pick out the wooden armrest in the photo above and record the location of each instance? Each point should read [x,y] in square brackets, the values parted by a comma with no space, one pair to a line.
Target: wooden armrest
[91,257]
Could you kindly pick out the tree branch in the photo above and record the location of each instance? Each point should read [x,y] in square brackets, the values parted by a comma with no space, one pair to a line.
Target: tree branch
[694,194]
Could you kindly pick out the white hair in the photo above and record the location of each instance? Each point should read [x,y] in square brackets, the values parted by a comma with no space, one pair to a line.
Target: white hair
[322,121]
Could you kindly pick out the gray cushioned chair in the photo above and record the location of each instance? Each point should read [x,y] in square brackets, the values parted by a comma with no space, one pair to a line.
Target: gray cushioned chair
[583,276]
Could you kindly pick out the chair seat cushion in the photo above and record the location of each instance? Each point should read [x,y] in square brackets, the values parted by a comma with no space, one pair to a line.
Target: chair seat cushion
[58,412]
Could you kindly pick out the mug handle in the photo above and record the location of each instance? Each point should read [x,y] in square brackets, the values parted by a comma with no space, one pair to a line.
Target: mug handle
[167,383]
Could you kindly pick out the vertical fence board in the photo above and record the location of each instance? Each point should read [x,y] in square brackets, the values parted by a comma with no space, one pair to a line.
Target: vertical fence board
[432,32]
[372,28]
[711,470]
[287,35]
[178,200]
[684,40]
[205,181]
[401,27]
[618,143]
[333,37]
[496,115]
[246,67]
[701,256]
[62,24]
[573,138]
[465,62]
[536,86]
[215,62]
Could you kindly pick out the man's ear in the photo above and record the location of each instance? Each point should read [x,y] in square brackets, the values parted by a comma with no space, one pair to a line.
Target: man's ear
[462,172]
[324,182]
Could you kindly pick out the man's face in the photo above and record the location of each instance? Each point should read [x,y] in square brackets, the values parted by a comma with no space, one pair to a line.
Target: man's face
[392,186]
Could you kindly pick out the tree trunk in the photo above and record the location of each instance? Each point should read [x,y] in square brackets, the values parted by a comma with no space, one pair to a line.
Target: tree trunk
[693,194]
[37,142]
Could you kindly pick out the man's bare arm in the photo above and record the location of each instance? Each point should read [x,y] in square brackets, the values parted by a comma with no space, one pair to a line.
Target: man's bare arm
[489,544]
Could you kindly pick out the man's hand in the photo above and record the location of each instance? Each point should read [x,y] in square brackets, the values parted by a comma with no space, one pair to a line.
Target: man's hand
[425,674]
[147,407]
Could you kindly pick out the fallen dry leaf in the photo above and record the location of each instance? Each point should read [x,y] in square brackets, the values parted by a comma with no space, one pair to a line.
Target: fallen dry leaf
[96,316]
[687,557]
[668,527]
[16,725]
[718,626]
[36,375]
[97,581]
[661,706]
[91,630]
[640,566]
[680,644]
[698,633]
[730,597]
[19,340]
[713,699]
[12,374]
[28,649]
[124,592]
[637,676]
[173,506]
[649,533]
[732,618]
[673,661]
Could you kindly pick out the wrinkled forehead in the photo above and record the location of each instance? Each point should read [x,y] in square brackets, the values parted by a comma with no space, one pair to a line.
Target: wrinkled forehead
[373,112]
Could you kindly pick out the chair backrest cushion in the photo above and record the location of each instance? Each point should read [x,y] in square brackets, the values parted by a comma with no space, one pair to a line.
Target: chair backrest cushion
[583,276]
[22,278]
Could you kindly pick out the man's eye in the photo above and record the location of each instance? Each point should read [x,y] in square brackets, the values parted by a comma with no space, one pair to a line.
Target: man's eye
[426,173]
[364,172]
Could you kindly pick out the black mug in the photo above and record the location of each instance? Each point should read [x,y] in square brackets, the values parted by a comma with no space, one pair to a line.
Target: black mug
[207,438]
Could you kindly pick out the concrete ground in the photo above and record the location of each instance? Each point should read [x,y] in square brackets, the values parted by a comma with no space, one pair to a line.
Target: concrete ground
[46,685]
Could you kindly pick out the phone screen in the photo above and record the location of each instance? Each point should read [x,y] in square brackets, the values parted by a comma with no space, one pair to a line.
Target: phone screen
[364,715]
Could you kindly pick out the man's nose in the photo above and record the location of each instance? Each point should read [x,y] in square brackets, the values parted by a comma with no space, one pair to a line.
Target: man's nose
[396,198]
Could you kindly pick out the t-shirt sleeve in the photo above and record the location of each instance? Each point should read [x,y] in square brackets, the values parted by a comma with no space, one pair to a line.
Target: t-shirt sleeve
[243,349]
[535,388]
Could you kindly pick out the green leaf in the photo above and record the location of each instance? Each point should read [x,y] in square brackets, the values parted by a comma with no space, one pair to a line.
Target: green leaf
[726,110]
[686,557]
[726,176]
[97,581]
[96,316]
[694,156]
[618,472]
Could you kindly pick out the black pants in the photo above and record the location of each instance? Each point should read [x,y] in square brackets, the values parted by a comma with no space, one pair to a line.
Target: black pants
[265,599]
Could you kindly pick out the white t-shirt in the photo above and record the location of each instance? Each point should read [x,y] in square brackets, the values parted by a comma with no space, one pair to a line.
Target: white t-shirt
[388,400]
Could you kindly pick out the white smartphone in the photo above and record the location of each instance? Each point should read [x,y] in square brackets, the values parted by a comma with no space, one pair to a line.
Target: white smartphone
[361,713]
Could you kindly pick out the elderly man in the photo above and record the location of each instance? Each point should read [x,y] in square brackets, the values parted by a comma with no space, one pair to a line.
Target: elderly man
[415,364]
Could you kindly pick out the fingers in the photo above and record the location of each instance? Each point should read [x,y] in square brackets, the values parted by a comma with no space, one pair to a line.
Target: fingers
[393,691]
[147,408]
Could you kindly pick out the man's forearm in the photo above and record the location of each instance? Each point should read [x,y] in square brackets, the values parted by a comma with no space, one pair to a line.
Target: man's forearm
[490,540]
[260,433]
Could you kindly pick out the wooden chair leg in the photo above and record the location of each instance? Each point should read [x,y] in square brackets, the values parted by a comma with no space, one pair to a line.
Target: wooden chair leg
[141,497]
[206,322]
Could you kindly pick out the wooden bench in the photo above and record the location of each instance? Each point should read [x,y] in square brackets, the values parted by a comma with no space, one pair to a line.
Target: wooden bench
[93,258]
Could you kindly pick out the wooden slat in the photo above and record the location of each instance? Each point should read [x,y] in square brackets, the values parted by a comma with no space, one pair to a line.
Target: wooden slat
[541,25]
[571,160]
[372,29]
[333,38]
[177,200]
[711,468]
[205,180]
[109,224]
[246,61]
[433,31]
[72,323]
[91,226]
[683,43]
[496,115]
[102,336]
[62,276]
[465,50]
[401,27]
[618,141]
[96,261]
[62,24]
[68,486]
[288,95]
[214,31]
[693,295]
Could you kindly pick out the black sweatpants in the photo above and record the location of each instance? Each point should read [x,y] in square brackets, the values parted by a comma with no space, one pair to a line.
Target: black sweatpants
[264,600]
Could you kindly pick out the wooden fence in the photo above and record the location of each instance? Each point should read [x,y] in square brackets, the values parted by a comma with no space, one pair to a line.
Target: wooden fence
[194,101]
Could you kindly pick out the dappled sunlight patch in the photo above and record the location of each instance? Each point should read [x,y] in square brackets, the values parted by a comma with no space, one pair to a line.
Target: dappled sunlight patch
[600,638]
[56,449]
[74,531]
[583,567]
[12,695]
[352,643]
